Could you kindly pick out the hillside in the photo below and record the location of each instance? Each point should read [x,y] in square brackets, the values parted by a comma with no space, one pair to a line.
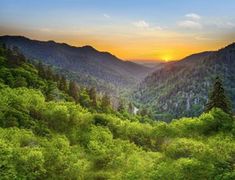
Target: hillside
[85,64]
[52,136]
[181,88]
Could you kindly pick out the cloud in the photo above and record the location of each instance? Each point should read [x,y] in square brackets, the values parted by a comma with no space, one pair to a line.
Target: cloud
[221,24]
[158,28]
[193,16]
[203,38]
[230,24]
[141,24]
[190,24]
[192,21]
[107,16]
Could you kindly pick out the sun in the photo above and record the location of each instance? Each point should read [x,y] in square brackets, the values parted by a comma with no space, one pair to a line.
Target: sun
[166,58]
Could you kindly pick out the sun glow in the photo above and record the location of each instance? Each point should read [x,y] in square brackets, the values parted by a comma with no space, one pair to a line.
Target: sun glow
[167,58]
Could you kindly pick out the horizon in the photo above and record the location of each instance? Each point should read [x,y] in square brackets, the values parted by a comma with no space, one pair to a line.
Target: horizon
[169,31]
[131,60]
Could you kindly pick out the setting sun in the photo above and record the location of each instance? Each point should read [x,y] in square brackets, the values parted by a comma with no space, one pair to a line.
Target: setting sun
[167,58]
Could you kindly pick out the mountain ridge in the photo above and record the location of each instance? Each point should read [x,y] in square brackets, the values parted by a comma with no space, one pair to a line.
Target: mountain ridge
[87,65]
[181,88]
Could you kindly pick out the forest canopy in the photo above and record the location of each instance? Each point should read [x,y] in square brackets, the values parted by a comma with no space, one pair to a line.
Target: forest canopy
[53,129]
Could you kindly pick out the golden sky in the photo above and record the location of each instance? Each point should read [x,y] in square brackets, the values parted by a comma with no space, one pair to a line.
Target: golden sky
[131,30]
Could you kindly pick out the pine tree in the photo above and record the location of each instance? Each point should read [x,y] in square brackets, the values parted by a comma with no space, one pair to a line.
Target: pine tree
[218,99]
[41,70]
[84,98]
[105,103]
[92,94]
[121,106]
[49,73]
[143,112]
[4,46]
[73,90]
[130,108]
[14,57]
[63,84]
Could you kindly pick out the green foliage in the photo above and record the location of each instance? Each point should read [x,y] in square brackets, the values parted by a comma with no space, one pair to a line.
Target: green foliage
[44,134]
[218,99]
[73,91]
[181,89]
[93,97]
[63,84]
[105,103]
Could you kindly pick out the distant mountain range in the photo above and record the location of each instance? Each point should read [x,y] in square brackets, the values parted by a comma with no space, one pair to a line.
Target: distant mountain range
[174,89]
[84,64]
[149,63]
[181,88]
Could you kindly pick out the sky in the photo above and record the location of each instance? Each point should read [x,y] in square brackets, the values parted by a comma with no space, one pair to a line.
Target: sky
[130,29]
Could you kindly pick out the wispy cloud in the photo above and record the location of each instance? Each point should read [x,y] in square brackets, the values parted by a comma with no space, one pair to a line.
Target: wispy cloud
[230,24]
[222,24]
[190,24]
[147,26]
[192,21]
[107,16]
[141,24]
[193,16]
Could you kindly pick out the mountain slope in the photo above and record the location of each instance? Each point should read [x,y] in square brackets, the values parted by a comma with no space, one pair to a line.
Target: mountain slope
[51,138]
[181,88]
[84,64]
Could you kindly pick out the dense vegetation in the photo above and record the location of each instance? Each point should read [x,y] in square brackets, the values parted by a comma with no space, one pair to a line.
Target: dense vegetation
[182,88]
[52,130]
[85,64]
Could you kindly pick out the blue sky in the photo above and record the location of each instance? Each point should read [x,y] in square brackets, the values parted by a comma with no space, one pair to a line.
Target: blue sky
[159,28]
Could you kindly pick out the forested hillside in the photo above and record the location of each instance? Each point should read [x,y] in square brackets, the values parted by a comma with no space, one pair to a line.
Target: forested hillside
[85,65]
[181,88]
[52,130]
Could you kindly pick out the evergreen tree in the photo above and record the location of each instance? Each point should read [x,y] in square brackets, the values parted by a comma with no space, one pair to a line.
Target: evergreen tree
[84,98]
[143,112]
[105,103]
[4,46]
[218,98]
[15,59]
[130,108]
[92,94]
[63,84]
[41,70]
[121,106]
[50,91]
[73,90]
[49,73]
[56,78]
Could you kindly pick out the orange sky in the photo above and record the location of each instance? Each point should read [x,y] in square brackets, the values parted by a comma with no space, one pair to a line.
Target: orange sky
[141,45]
[129,29]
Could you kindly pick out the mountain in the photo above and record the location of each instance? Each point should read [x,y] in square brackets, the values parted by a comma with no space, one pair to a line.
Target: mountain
[154,64]
[83,64]
[46,133]
[181,88]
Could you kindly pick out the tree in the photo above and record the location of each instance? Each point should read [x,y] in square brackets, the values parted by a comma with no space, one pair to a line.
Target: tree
[218,98]
[63,84]
[49,73]
[4,46]
[41,70]
[73,90]
[84,98]
[121,106]
[105,103]
[143,112]
[15,58]
[130,108]
[92,94]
